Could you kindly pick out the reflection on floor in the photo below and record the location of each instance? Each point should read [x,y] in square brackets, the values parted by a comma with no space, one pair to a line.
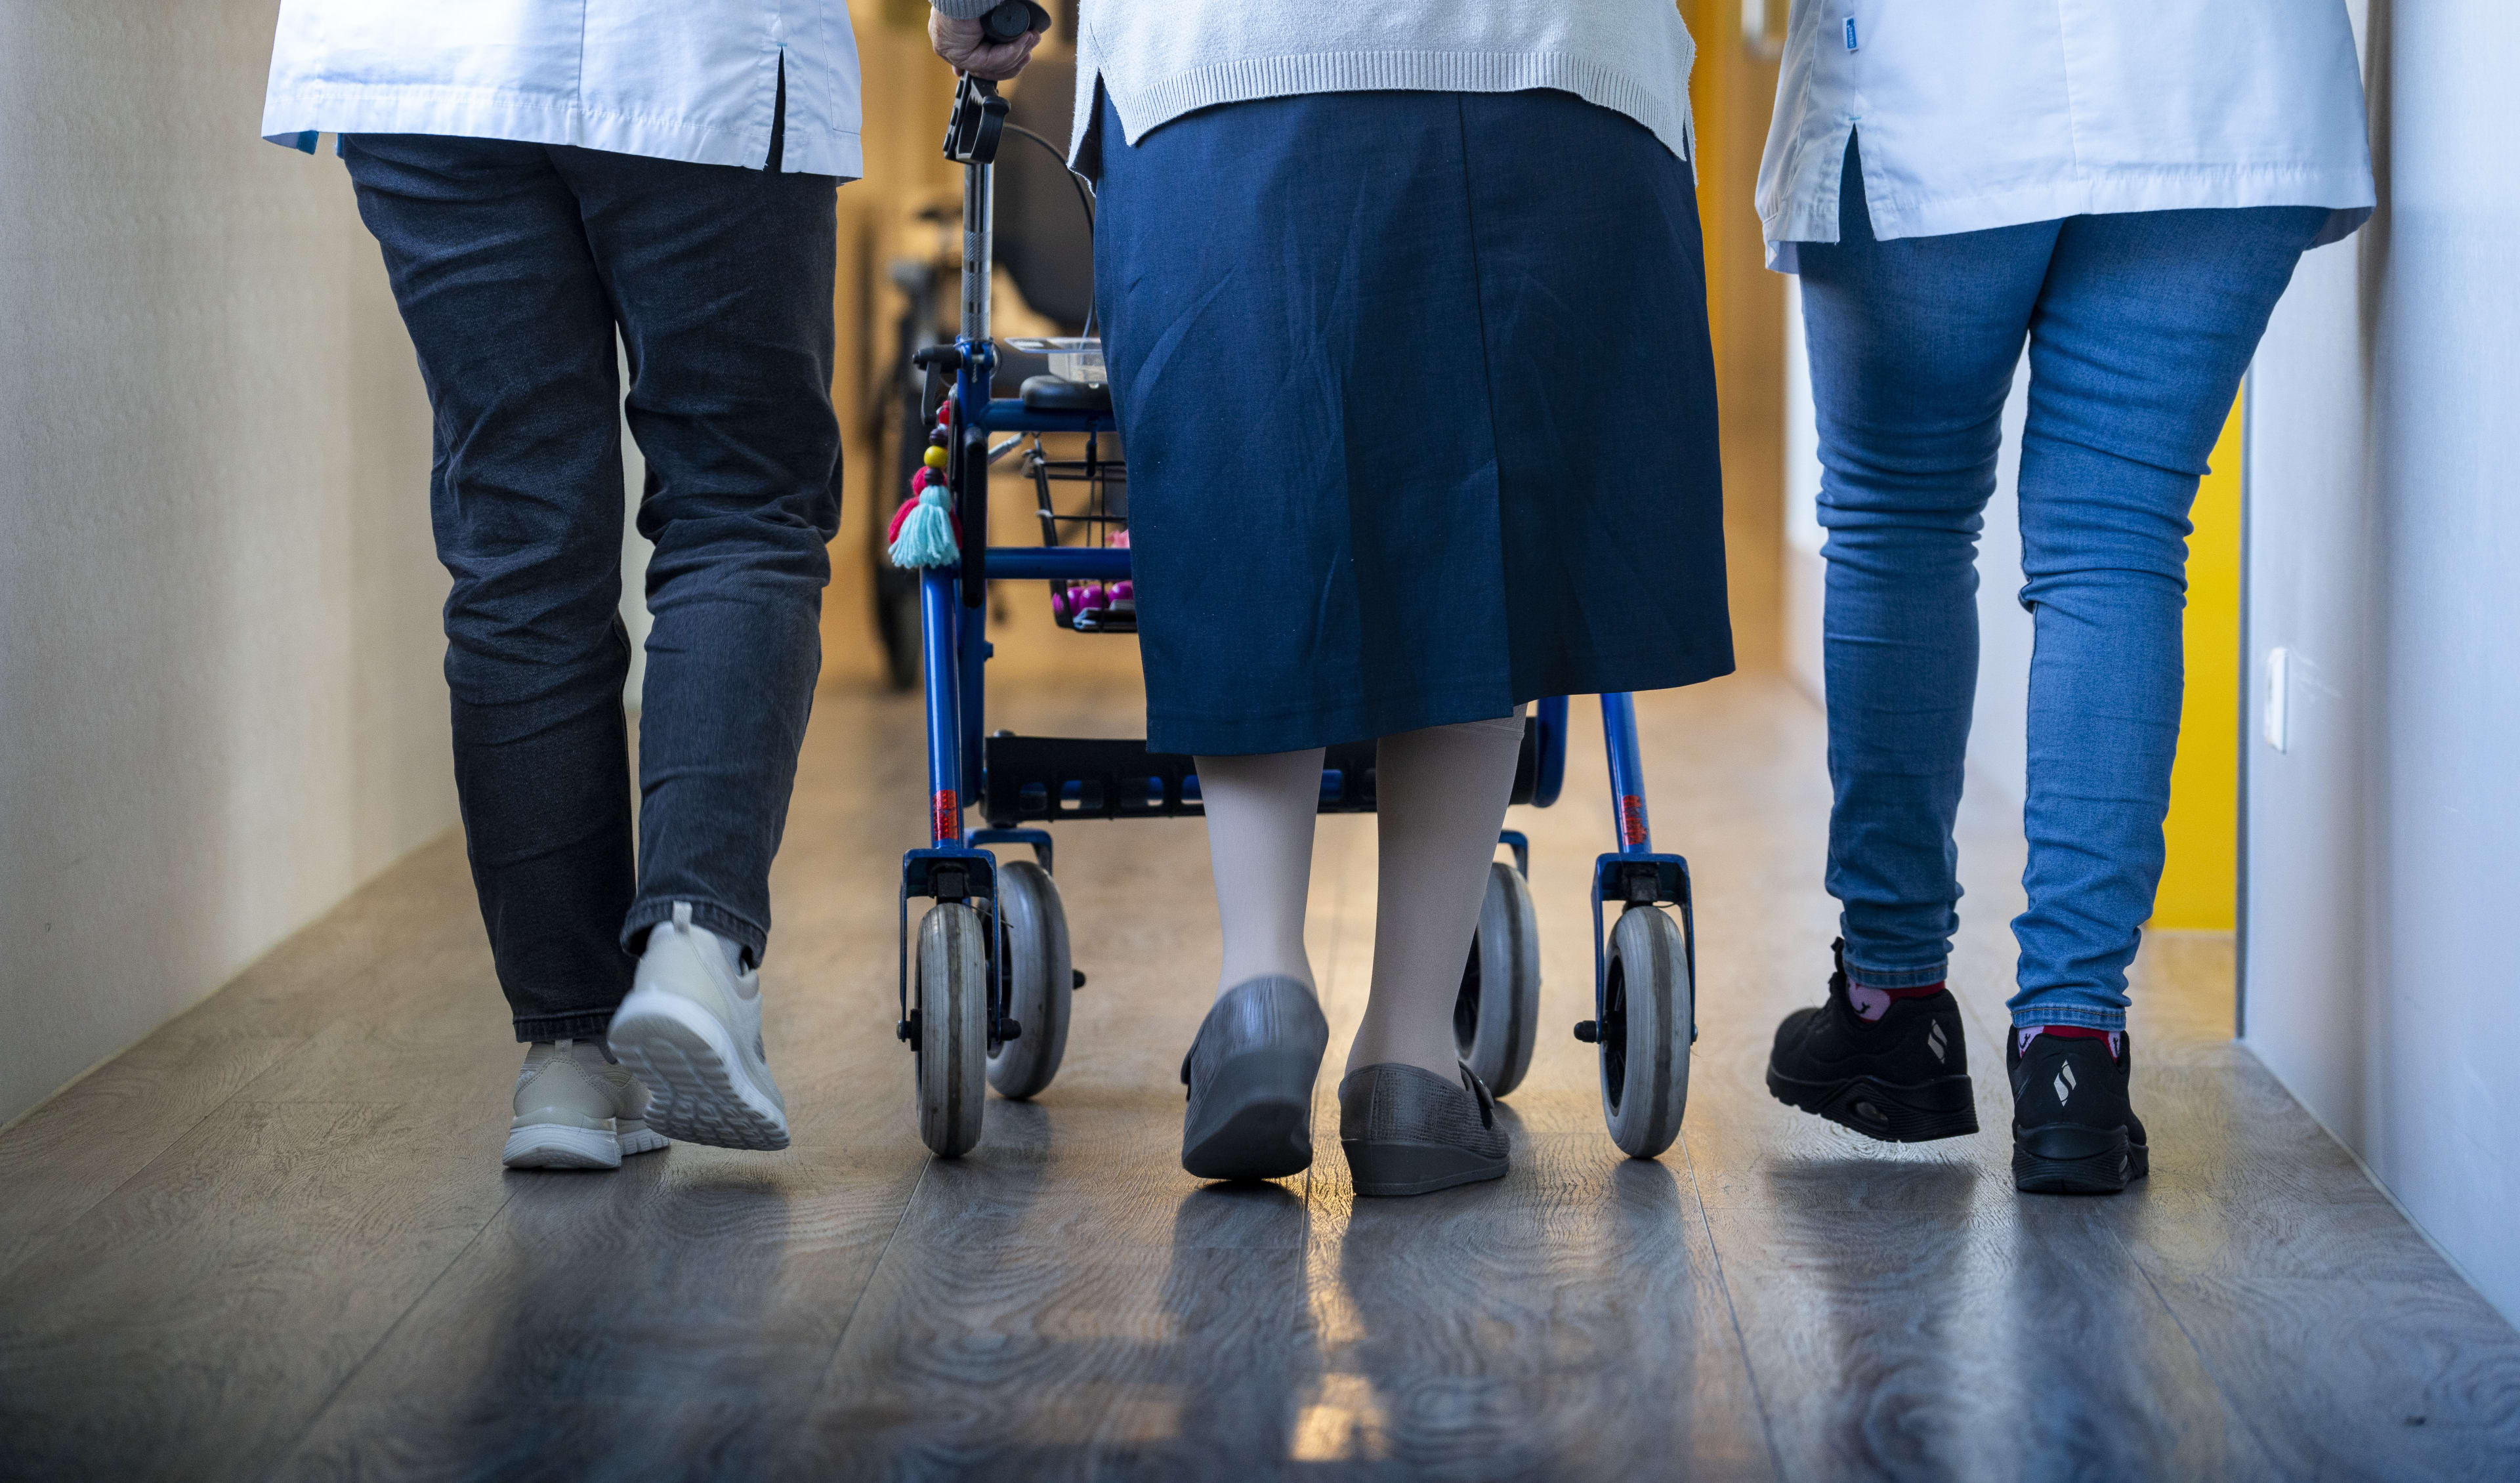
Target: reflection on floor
[273,1241]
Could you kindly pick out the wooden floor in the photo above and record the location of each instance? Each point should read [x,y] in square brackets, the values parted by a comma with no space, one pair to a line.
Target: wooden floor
[274,1240]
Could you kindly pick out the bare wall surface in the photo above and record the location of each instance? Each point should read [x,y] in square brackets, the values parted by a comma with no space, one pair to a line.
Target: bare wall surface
[220,706]
[2383,538]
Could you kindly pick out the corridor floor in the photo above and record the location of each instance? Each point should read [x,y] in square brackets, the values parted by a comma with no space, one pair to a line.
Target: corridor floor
[273,1240]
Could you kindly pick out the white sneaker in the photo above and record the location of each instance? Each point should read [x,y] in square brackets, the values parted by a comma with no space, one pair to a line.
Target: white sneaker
[577,1108]
[691,1030]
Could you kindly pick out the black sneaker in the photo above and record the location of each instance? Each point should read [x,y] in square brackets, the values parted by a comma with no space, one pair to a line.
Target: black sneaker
[1902,1078]
[2073,1130]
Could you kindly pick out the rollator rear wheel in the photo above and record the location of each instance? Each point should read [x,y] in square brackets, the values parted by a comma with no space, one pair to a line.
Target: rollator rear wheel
[1034,978]
[1646,1012]
[952,1027]
[1497,1017]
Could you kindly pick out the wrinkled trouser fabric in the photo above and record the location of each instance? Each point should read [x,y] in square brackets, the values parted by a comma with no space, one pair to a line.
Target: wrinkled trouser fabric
[516,265]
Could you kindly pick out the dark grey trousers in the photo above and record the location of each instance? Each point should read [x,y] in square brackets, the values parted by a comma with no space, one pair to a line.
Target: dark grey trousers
[515,264]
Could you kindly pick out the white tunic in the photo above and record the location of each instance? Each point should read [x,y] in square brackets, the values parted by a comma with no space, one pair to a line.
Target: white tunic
[676,80]
[1158,60]
[1978,113]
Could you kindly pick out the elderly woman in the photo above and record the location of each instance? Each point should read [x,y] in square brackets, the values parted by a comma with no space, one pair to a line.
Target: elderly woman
[1375,282]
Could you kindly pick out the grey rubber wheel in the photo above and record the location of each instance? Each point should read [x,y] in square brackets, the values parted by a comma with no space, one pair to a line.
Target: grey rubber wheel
[1035,977]
[1643,1036]
[953,1007]
[1497,1017]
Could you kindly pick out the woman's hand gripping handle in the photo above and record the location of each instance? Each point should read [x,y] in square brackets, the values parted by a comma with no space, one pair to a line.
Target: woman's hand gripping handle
[994,45]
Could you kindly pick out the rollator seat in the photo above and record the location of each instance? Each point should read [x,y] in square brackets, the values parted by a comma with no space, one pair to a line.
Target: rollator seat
[1055,777]
[1052,393]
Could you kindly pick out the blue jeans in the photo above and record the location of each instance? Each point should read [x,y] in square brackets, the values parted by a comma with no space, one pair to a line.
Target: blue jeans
[513,265]
[2139,326]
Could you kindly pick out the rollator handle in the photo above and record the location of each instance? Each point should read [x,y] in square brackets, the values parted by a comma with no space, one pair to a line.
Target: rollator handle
[979,115]
[1013,19]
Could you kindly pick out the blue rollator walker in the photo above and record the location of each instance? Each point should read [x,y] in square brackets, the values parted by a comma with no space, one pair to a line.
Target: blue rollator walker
[987,998]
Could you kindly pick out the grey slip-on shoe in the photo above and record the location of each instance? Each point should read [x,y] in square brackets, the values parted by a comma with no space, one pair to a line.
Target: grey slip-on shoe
[1408,1131]
[1250,1075]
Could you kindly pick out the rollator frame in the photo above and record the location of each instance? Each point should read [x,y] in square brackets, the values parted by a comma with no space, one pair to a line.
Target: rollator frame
[956,866]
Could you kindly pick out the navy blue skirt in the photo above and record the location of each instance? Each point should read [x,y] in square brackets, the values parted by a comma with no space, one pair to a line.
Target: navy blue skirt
[1419,413]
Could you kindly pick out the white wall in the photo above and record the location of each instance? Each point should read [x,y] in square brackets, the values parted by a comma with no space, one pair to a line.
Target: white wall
[1998,756]
[2384,542]
[221,703]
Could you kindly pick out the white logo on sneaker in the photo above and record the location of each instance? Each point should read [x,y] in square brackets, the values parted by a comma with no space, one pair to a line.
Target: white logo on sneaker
[2066,1084]
[1935,1041]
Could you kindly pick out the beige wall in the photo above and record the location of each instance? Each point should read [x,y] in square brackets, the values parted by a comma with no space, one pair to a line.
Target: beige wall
[220,708]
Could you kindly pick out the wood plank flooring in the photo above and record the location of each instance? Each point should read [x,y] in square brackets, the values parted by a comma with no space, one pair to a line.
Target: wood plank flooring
[273,1240]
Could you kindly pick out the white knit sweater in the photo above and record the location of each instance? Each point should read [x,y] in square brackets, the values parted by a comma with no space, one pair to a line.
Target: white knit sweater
[1161,59]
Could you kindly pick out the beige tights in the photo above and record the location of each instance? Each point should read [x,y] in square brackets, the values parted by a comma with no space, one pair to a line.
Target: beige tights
[1441,794]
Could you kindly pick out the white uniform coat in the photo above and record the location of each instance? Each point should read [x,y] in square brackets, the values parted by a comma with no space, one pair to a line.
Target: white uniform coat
[675,79]
[1978,113]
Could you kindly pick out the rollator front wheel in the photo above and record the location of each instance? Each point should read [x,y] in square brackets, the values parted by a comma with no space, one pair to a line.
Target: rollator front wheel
[953,1026]
[1034,978]
[1497,1017]
[1646,1010]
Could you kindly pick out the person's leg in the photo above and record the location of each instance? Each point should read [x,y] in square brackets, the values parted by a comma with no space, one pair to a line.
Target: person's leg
[1913,347]
[1250,1071]
[1440,796]
[1260,812]
[1412,1119]
[490,267]
[489,264]
[722,280]
[2146,325]
[2146,322]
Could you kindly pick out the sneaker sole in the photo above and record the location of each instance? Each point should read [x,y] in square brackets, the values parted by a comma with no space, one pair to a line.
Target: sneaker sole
[638,1138]
[1945,1108]
[1381,1169]
[1257,1109]
[2111,1166]
[558,1146]
[699,1089]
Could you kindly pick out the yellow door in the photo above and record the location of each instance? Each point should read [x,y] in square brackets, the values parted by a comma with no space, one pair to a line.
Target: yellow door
[2200,878]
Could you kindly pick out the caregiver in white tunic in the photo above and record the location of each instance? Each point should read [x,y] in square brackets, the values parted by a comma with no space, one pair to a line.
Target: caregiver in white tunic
[674,79]
[558,187]
[1985,112]
[2124,189]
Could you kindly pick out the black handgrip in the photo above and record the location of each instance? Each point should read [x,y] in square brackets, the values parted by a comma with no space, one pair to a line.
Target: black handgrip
[1014,20]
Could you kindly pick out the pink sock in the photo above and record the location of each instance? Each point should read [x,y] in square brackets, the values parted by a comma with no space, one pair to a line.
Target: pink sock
[1871,1004]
